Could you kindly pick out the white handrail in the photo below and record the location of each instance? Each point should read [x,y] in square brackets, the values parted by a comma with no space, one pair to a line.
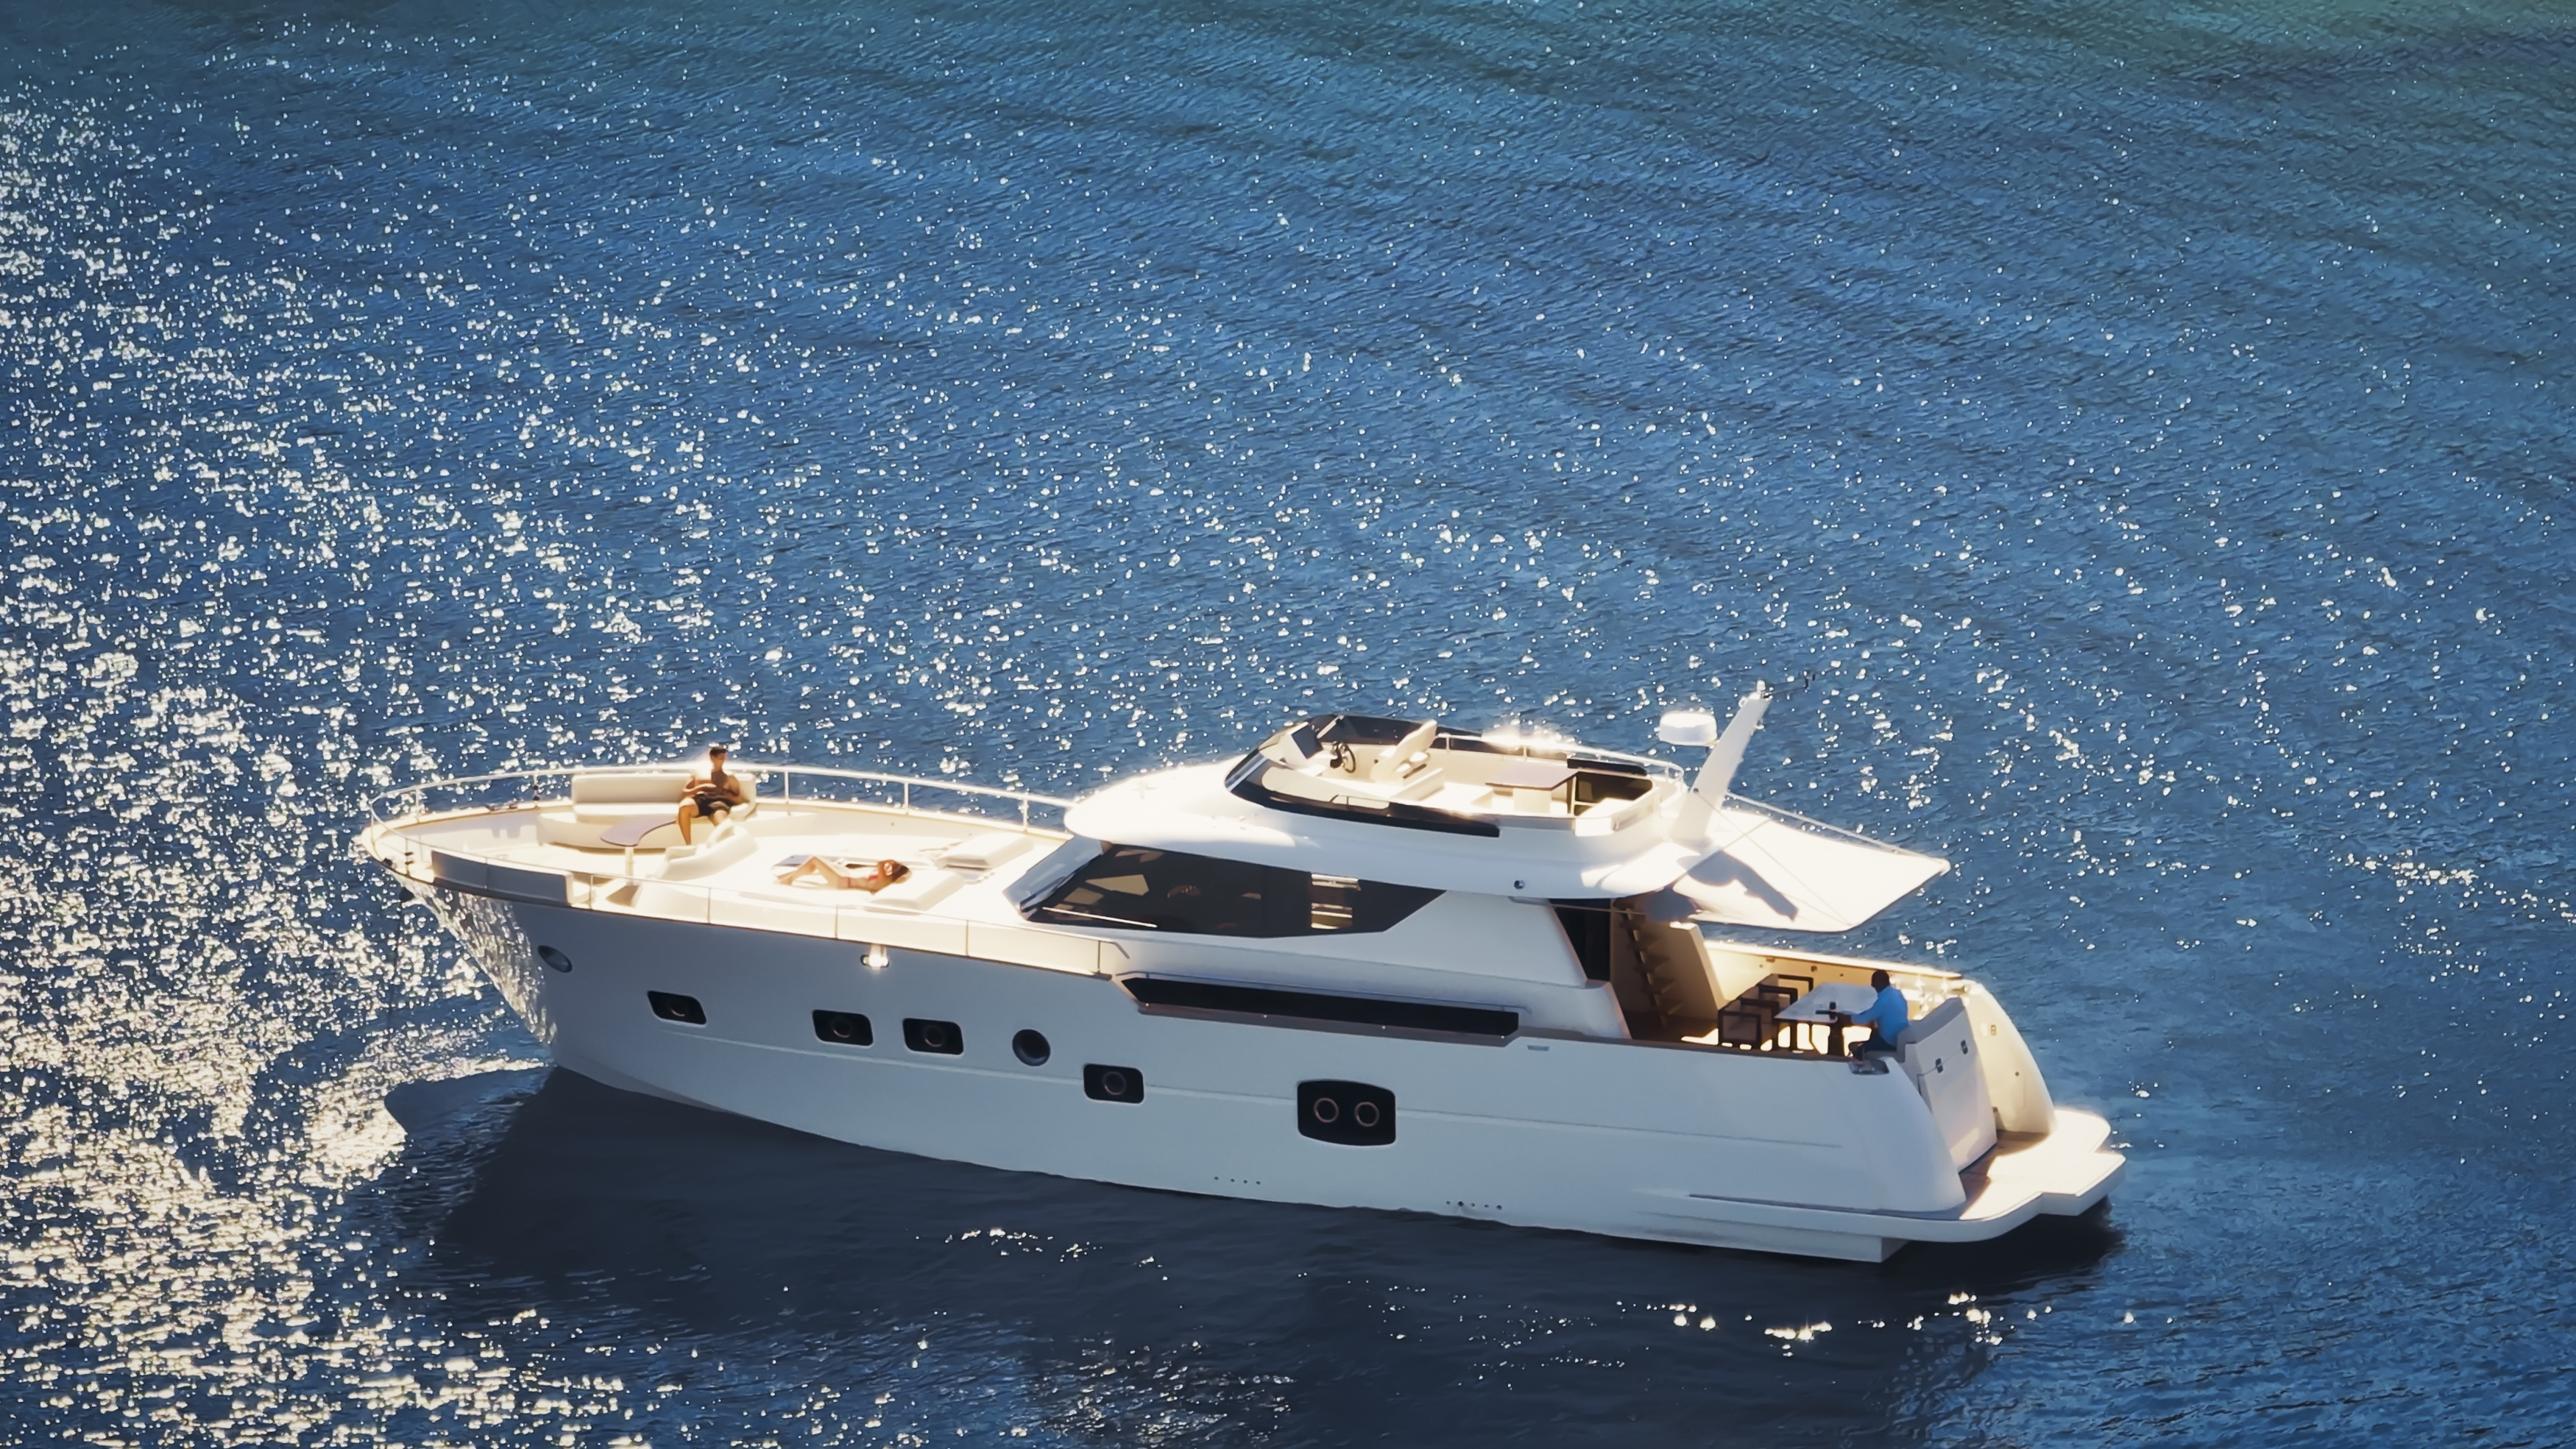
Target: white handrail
[417,793]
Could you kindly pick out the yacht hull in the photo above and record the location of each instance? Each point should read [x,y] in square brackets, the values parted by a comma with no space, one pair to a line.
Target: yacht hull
[1552,1130]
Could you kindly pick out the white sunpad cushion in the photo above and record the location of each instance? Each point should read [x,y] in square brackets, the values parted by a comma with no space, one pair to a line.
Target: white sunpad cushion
[985,851]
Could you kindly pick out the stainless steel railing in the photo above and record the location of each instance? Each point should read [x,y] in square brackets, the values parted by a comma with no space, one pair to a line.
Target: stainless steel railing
[822,784]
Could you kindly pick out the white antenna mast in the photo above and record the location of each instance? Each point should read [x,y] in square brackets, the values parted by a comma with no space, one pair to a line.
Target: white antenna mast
[1725,757]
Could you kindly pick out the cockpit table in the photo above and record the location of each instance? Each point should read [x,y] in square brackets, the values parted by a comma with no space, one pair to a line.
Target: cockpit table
[1532,783]
[1531,775]
[629,834]
[1819,1007]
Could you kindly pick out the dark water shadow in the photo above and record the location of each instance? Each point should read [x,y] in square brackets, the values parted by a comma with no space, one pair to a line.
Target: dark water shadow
[702,1228]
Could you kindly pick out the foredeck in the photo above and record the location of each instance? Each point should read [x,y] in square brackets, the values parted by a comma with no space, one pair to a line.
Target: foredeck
[489,835]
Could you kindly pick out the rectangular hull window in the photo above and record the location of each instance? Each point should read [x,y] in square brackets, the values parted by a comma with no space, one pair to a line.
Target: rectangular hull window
[1134,888]
[939,1038]
[1348,1114]
[844,1028]
[1301,1006]
[672,1006]
[1113,1084]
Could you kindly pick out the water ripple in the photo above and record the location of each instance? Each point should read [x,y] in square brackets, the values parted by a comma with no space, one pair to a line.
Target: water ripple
[2131,437]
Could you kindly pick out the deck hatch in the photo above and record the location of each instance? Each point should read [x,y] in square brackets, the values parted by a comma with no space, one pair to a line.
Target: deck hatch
[1270,1001]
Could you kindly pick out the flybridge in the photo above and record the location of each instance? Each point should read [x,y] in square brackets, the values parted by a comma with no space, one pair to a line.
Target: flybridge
[1417,803]
[1415,775]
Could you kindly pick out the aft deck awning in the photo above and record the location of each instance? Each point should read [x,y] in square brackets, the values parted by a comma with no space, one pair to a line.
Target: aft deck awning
[1788,874]
[1751,865]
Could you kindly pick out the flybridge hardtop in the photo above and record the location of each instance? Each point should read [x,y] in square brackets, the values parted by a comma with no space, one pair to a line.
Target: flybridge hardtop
[1414,803]
[1373,963]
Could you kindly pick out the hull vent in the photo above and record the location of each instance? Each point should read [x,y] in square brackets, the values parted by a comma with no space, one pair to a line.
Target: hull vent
[672,1006]
[939,1038]
[1113,1084]
[1349,1114]
[844,1028]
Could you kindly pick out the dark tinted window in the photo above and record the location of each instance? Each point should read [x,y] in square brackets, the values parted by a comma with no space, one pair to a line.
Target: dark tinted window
[1165,890]
[1302,739]
[1269,1002]
[1362,729]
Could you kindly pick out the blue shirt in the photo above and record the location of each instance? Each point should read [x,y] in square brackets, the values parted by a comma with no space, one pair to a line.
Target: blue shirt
[1887,1015]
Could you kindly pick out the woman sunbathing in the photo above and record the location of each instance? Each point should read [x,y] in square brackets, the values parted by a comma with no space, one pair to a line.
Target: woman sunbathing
[848,875]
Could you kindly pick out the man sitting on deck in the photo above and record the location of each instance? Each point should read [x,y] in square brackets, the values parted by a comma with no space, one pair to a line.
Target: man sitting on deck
[1886,1018]
[710,795]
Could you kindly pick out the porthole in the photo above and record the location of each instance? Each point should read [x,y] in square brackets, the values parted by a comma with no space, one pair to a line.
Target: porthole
[844,1028]
[1031,1048]
[671,1006]
[554,958]
[1113,1084]
[939,1038]
[1349,1114]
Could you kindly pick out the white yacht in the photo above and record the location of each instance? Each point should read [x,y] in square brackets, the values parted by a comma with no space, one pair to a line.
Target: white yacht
[1373,963]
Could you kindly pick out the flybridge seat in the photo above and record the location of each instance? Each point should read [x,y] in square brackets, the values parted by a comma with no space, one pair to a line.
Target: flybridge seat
[605,799]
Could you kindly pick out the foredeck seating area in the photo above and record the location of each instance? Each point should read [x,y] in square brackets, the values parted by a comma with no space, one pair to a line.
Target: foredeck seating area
[601,801]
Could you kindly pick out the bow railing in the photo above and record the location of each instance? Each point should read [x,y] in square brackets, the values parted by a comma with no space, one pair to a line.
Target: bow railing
[816,784]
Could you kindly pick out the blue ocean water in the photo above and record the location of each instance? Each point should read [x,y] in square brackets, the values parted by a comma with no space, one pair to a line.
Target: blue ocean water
[2135,438]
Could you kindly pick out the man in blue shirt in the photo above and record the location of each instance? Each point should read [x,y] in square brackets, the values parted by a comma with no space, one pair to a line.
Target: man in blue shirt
[1886,1018]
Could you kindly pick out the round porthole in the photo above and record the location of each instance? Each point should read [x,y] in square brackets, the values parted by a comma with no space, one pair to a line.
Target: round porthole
[1031,1048]
[1327,1110]
[554,958]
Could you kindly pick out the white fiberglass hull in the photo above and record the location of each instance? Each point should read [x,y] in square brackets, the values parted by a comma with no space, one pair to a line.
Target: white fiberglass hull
[1542,1129]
